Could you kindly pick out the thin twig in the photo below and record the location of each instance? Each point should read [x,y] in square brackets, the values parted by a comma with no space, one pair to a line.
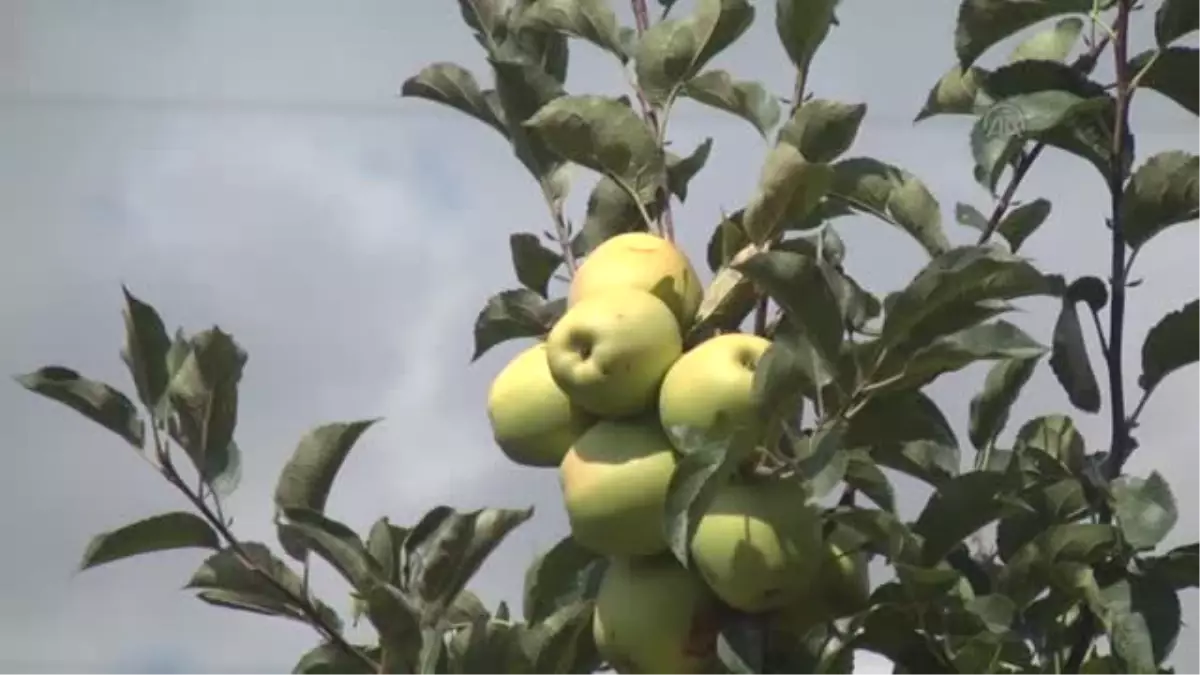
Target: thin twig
[561,231]
[641,17]
[318,622]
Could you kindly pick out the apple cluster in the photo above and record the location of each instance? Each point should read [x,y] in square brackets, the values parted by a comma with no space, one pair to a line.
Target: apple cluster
[601,399]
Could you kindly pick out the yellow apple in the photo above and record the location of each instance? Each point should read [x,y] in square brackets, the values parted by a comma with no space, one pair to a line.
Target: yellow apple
[609,352]
[644,262]
[712,385]
[532,420]
[614,483]
[758,545]
[654,616]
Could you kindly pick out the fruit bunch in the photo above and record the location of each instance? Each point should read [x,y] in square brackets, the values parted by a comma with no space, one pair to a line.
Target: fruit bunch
[603,398]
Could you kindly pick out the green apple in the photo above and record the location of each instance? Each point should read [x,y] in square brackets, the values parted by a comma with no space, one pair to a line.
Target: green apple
[609,352]
[712,385]
[653,616]
[644,262]
[614,483]
[758,545]
[532,420]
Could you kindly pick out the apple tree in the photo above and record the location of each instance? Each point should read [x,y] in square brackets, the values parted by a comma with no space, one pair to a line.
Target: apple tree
[721,447]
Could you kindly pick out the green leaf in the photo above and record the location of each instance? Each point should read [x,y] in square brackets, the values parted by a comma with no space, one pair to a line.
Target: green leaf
[1028,571]
[486,19]
[1053,435]
[788,369]
[864,475]
[800,284]
[384,543]
[970,216]
[522,89]
[146,347]
[681,170]
[1070,362]
[398,625]
[164,532]
[789,188]
[748,100]
[452,85]
[983,23]
[991,406]
[1174,19]
[673,51]
[445,550]
[94,400]
[727,300]
[726,240]
[329,658]
[1179,568]
[1170,345]
[591,20]
[225,580]
[610,211]
[1164,191]
[1023,221]
[1055,44]
[335,542]
[514,314]
[959,508]
[204,397]
[562,642]
[488,646]
[605,135]
[742,644]
[906,431]
[988,341]
[1143,619]
[802,25]
[883,533]
[822,459]
[1042,506]
[955,93]
[1145,509]
[308,476]
[822,130]
[893,195]
[706,464]
[1172,72]
[545,49]
[533,262]
[564,574]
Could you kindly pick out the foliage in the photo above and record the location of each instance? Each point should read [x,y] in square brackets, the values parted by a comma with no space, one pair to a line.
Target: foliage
[1077,541]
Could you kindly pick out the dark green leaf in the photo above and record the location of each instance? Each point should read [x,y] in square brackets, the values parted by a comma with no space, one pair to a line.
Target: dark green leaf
[703,468]
[562,642]
[533,262]
[742,644]
[991,406]
[546,49]
[1052,435]
[591,20]
[398,625]
[163,532]
[1054,44]
[954,94]
[967,274]
[1173,72]
[727,300]
[789,189]
[610,211]
[562,575]
[510,315]
[881,532]
[605,135]
[488,647]
[486,19]
[681,170]
[893,195]
[959,508]
[1070,362]
[1164,191]
[204,398]
[864,475]
[384,542]
[445,550]
[522,89]
[1174,19]
[1042,505]
[1145,509]
[226,580]
[331,658]
[822,130]
[1143,620]
[802,26]
[788,370]
[1179,568]
[800,285]
[309,474]
[822,459]
[94,400]
[1170,345]
[336,543]
[146,347]
[906,431]
[452,85]
[748,100]
[727,239]
[970,216]
[674,51]
[1023,221]
[983,23]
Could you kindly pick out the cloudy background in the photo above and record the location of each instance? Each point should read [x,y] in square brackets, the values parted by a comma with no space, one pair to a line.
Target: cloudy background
[249,164]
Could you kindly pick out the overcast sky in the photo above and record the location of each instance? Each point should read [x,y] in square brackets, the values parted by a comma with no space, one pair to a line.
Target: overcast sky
[249,164]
